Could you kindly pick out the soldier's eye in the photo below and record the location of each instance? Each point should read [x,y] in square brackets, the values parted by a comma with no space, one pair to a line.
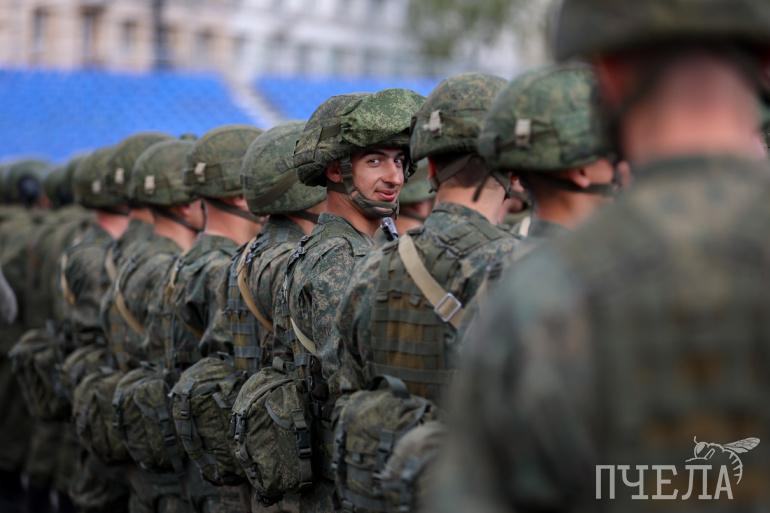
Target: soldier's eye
[373,162]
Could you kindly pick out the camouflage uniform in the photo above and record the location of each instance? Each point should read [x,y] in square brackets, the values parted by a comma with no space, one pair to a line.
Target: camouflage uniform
[619,343]
[21,184]
[271,188]
[193,290]
[85,279]
[388,324]
[319,269]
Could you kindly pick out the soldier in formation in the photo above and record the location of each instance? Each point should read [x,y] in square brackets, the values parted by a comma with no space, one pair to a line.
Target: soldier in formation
[282,320]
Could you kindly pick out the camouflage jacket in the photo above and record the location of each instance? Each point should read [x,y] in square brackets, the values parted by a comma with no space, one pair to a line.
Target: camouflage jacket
[264,267]
[136,235]
[618,344]
[377,331]
[124,306]
[84,281]
[318,273]
[195,296]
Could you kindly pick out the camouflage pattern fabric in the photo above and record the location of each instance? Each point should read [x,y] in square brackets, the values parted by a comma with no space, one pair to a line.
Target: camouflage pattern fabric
[195,296]
[9,307]
[264,270]
[619,343]
[385,324]
[317,277]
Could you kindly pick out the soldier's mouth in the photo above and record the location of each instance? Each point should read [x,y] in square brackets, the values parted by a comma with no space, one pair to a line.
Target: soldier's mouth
[389,196]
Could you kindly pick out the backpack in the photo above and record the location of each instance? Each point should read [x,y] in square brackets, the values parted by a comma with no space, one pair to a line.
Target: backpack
[36,359]
[144,423]
[370,424]
[92,410]
[201,403]
[406,477]
[79,364]
[271,429]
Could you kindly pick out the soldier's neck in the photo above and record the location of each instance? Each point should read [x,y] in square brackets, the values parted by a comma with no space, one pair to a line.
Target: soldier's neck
[237,229]
[568,209]
[142,214]
[305,224]
[113,224]
[341,205]
[489,202]
[183,237]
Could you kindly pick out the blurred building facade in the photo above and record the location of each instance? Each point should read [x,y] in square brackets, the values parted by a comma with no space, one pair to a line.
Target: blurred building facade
[239,38]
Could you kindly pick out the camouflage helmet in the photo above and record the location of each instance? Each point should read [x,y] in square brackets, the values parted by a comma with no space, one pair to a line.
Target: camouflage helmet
[418,188]
[122,162]
[544,121]
[270,182]
[24,181]
[89,181]
[213,166]
[157,175]
[348,123]
[58,184]
[450,119]
[654,21]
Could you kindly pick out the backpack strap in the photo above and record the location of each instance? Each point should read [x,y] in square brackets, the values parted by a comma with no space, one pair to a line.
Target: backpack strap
[130,318]
[445,304]
[109,263]
[306,341]
[69,296]
[248,297]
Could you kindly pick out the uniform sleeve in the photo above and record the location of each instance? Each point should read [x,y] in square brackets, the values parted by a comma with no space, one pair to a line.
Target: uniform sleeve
[353,326]
[322,294]
[217,336]
[518,428]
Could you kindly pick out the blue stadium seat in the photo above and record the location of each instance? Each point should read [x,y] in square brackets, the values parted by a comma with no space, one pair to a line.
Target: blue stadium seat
[58,114]
[298,97]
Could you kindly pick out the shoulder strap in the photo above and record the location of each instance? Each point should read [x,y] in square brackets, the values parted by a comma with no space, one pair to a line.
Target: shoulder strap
[130,318]
[109,263]
[243,287]
[445,304]
[65,285]
[306,341]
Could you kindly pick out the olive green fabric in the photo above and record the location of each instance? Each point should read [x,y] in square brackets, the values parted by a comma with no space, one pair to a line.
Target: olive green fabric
[36,358]
[587,27]
[157,178]
[544,120]
[121,162]
[92,411]
[213,167]
[89,182]
[272,434]
[270,182]
[201,403]
[410,471]
[369,425]
[450,119]
[418,188]
[347,123]
[143,419]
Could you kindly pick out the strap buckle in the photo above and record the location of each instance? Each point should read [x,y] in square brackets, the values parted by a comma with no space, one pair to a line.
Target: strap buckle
[448,307]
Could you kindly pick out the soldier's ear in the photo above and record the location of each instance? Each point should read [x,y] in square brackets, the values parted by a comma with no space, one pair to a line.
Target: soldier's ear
[432,169]
[578,176]
[333,172]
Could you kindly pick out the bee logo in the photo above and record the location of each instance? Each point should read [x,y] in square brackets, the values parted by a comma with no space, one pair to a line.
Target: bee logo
[704,451]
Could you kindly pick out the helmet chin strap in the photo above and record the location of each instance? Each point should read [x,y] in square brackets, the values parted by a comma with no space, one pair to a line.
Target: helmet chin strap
[371,209]
[233,210]
[164,212]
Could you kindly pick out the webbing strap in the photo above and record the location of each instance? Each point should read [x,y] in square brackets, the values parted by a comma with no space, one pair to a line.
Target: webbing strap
[130,318]
[306,341]
[109,263]
[440,377]
[248,298]
[65,285]
[445,304]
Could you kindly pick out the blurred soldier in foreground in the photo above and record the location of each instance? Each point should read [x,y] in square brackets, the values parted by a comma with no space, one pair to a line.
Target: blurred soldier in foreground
[620,343]
[543,127]
[405,303]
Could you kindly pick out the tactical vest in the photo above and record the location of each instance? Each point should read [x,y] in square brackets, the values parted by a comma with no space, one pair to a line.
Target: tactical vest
[306,362]
[410,336]
[244,317]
